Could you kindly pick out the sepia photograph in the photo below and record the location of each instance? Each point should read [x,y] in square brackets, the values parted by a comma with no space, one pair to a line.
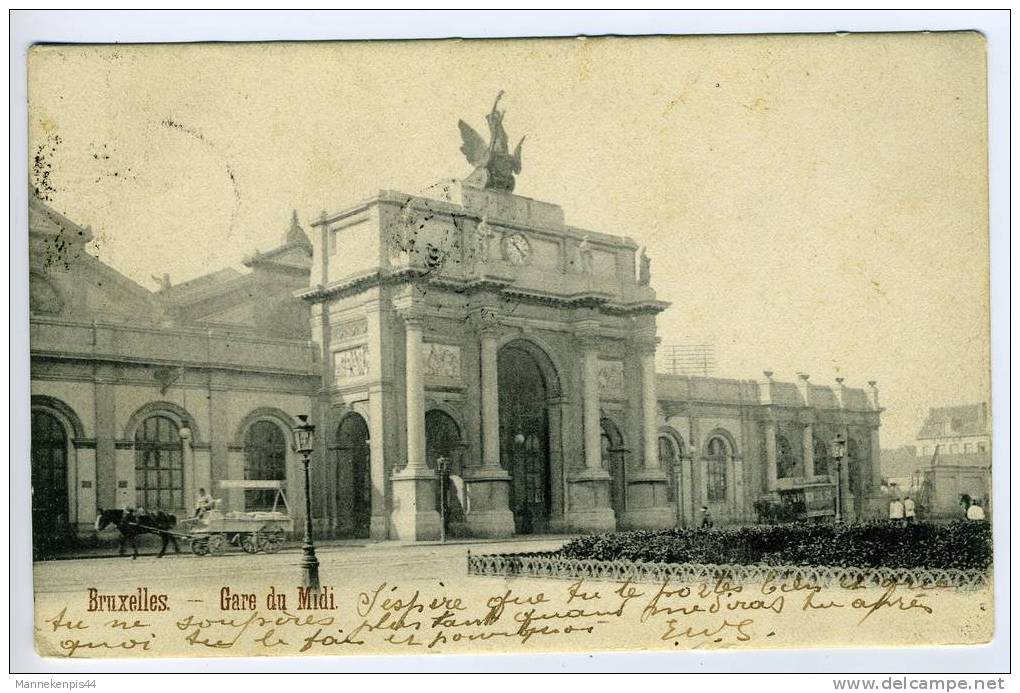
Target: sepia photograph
[516,346]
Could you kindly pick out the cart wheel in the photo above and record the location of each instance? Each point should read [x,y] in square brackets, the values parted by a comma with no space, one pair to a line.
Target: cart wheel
[250,543]
[272,540]
[200,547]
[217,544]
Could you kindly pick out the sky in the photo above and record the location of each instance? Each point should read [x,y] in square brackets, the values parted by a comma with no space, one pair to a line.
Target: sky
[810,203]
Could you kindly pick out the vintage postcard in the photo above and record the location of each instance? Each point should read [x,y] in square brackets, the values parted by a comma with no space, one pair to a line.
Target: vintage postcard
[510,346]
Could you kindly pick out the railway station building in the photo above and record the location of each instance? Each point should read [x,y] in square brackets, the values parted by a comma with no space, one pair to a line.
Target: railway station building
[461,331]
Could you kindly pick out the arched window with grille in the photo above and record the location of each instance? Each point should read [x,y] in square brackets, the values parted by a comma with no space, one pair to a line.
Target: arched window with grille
[717,454]
[265,459]
[159,465]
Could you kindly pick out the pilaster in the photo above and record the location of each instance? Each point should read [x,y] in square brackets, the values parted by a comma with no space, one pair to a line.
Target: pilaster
[488,486]
[414,516]
[589,502]
[647,492]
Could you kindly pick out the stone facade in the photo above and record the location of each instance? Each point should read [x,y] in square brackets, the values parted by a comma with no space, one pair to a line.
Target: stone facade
[143,397]
[466,327]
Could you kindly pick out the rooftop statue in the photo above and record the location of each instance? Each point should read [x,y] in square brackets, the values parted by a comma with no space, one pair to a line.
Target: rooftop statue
[494,165]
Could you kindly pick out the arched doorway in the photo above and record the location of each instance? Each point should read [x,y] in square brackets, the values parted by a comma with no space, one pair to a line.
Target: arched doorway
[353,488]
[50,502]
[442,439]
[614,462]
[524,435]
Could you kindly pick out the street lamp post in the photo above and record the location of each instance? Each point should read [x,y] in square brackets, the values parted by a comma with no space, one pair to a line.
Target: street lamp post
[838,452]
[443,465]
[304,434]
[678,509]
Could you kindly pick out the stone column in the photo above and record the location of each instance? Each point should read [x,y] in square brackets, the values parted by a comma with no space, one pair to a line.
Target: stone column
[847,502]
[876,460]
[771,464]
[188,460]
[379,523]
[809,450]
[488,486]
[687,478]
[84,491]
[377,328]
[124,465]
[490,397]
[108,494]
[740,511]
[414,512]
[415,397]
[698,498]
[649,406]
[233,499]
[647,504]
[201,470]
[592,413]
[589,502]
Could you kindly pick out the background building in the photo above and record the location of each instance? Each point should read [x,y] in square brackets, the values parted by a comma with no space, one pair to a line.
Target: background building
[951,457]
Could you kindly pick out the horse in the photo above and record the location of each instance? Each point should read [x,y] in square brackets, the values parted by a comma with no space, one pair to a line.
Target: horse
[131,525]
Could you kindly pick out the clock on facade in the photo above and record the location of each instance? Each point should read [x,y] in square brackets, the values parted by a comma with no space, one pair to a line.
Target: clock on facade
[516,248]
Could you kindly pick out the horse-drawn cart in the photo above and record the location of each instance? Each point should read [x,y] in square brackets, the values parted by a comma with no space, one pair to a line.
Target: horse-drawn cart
[254,532]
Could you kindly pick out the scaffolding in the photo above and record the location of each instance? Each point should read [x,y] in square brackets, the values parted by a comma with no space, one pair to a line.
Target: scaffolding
[687,359]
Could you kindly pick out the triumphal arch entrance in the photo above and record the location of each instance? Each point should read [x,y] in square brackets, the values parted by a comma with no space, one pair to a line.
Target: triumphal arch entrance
[476,326]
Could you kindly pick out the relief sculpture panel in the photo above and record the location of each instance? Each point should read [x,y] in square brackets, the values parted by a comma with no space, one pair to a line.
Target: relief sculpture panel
[350,329]
[441,360]
[610,376]
[350,363]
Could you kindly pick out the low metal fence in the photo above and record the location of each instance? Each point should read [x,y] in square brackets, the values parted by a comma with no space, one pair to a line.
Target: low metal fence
[550,564]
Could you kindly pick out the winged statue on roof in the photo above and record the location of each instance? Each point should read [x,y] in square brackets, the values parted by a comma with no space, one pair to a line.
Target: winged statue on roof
[494,165]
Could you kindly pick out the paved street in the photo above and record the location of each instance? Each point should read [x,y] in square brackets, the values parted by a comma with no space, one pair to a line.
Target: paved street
[339,562]
[415,599]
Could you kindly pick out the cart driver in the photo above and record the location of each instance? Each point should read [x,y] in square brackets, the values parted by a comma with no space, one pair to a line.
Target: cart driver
[203,503]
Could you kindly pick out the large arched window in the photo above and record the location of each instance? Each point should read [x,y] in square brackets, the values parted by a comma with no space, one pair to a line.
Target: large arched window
[786,461]
[717,453]
[668,453]
[265,459]
[159,465]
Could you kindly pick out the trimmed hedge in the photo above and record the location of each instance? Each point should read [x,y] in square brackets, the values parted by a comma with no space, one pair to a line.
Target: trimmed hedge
[962,545]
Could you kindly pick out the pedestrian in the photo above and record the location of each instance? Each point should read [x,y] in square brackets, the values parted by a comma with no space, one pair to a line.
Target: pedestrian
[896,510]
[203,503]
[964,503]
[706,518]
[909,512]
[975,511]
